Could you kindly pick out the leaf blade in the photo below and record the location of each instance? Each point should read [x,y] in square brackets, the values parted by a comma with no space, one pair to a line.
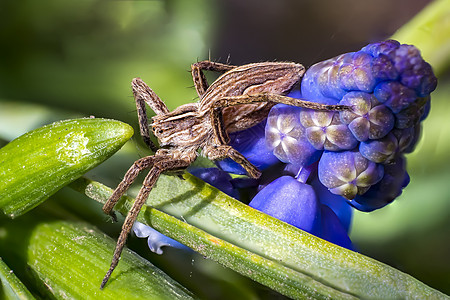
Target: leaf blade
[37,164]
[13,287]
[57,246]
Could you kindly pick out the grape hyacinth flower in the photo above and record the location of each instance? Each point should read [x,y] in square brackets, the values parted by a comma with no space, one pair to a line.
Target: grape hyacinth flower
[358,155]
[284,131]
[295,202]
[387,85]
[285,193]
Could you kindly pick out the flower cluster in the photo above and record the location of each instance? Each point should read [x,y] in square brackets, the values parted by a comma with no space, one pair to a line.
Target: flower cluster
[354,157]
[387,86]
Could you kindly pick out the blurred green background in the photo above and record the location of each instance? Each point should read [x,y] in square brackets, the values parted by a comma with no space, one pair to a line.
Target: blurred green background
[61,59]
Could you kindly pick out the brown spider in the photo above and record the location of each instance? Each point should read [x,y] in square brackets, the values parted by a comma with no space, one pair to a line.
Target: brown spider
[237,100]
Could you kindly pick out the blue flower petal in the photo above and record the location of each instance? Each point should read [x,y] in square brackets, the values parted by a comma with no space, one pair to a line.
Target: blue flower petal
[155,239]
[290,201]
[333,230]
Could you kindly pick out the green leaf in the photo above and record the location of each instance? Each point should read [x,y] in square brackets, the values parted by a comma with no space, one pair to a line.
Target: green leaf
[71,258]
[13,288]
[37,164]
[265,249]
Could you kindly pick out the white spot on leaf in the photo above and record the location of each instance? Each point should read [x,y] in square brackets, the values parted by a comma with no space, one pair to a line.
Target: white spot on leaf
[73,148]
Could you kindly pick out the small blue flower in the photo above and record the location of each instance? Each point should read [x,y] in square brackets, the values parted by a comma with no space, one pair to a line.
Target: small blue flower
[355,74]
[325,130]
[383,47]
[395,178]
[413,114]
[415,73]
[285,136]
[380,151]
[337,203]
[155,239]
[348,173]
[368,119]
[333,230]
[394,95]
[409,137]
[291,201]
[321,81]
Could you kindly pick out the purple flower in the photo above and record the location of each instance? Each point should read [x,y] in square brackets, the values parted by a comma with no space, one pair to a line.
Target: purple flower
[355,73]
[325,131]
[321,81]
[368,119]
[155,239]
[348,173]
[394,95]
[395,178]
[333,230]
[285,136]
[337,203]
[291,201]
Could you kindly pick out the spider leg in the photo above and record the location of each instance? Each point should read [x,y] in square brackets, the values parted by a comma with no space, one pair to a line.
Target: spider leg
[256,98]
[128,179]
[217,122]
[161,164]
[131,217]
[224,151]
[220,133]
[221,136]
[200,82]
[144,94]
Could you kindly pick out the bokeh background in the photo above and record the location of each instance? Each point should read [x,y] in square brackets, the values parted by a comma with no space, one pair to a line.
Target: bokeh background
[62,59]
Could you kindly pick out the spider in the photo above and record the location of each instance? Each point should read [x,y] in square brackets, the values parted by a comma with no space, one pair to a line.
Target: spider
[240,98]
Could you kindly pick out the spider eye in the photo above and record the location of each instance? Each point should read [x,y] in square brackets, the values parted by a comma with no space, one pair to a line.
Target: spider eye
[157,130]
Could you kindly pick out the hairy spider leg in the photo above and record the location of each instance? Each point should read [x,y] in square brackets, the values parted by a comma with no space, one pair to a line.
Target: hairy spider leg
[200,82]
[249,99]
[161,164]
[226,151]
[144,94]
[149,181]
[137,167]
[217,123]
[222,150]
